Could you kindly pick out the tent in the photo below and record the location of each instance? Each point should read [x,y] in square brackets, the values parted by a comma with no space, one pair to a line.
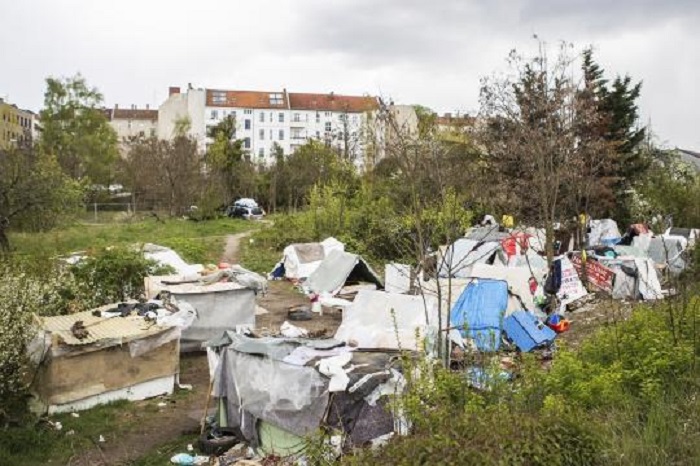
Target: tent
[337,269]
[635,278]
[518,280]
[479,312]
[220,306]
[461,255]
[300,260]
[378,319]
[168,257]
[667,251]
[115,358]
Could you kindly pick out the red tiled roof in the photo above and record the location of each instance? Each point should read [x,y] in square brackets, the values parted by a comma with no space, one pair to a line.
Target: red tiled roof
[332,102]
[245,99]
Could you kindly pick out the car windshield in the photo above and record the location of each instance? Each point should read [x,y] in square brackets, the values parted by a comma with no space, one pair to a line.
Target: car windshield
[256,211]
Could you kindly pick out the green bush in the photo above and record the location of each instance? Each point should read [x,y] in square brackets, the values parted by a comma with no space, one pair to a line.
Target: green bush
[115,274]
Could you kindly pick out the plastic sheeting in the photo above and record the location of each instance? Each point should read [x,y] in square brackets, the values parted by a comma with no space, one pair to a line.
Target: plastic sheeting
[464,253]
[301,260]
[397,278]
[571,288]
[376,319]
[668,251]
[603,232]
[338,268]
[526,331]
[518,279]
[166,256]
[479,311]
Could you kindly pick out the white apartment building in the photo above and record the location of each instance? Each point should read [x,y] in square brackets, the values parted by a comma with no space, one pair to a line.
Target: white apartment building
[273,118]
[132,122]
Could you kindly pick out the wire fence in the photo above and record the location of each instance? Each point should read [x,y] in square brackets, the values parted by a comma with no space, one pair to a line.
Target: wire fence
[113,212]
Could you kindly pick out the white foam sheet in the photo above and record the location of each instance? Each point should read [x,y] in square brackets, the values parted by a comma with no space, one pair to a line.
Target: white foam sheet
[294,269]
[518,279]
[369,321]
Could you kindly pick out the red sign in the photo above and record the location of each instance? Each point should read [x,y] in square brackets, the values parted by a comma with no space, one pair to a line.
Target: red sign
[598,275]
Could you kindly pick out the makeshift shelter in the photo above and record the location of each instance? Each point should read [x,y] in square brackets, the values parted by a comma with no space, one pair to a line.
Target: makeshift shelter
[273,388]
[690,234]
[603,232]
[398,278]
[518,280]
[479,311]
[220,306]
[635,278]
[668,252]
[86,359]
[338,269]
[300,260]
[463,254]
[379,320]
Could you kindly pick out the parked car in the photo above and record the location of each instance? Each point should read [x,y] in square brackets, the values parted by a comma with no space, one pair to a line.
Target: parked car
[244,208]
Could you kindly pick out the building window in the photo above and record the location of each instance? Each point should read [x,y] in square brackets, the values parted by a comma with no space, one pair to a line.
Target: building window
[214,114]
[218,97]
[276,99]
[328,114]
[281,135]
[318,135]
[343,117]
[247,123]
[261,134]
[233,114]
[261,152]
[246,143]
[281,117]
[262,117]
[318,117]
[328,127]
[248,111]
[296,118]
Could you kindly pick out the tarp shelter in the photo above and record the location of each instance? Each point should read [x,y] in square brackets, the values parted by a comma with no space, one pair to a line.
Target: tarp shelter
[603,232]
[635,278]
[339,268]
[277,381]
[398,278]
[220,306]
[668,252]
[528,333]
[166,256]
[119,358]
[376,319]
[479,311]
[300,260]
[463,254]
[690,234]
[518,280]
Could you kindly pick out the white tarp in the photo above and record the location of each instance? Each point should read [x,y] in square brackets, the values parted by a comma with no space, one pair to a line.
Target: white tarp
[603,231]
[461,255]
[166,256]
[518,279]
[389,321]
[301,260]
[397,278]
[338,268]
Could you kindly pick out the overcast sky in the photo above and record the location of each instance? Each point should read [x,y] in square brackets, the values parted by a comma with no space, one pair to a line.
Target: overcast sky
[427,52]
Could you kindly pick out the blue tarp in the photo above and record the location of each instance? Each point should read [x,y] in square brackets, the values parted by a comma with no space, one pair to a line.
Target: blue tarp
[479,312]
[526,331]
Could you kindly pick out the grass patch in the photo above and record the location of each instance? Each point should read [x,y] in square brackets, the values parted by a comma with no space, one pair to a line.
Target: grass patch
[198,242]
[161,455]
[257,256]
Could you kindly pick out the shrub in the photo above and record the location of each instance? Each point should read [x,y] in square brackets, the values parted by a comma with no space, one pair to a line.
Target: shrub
[115,274]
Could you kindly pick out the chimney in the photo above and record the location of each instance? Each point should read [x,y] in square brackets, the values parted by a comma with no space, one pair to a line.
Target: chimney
[332,95]
[448,116]
[147,107]
[116,106]
[172,90]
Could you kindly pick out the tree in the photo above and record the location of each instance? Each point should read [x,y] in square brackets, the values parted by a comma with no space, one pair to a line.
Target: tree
[542,138]
[35,194]
[76,131]
[227,161]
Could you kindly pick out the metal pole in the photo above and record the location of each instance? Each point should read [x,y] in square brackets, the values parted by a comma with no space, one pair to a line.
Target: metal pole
[95,207]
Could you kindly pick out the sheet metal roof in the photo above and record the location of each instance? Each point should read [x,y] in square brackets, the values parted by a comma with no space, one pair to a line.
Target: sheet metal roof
[121,329]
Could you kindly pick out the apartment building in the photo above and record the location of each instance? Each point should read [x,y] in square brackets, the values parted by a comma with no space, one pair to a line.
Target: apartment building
[269,119]
[16,125]
[132,122]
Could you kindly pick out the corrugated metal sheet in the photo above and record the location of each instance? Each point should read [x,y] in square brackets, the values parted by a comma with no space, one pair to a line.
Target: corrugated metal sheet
[100,329]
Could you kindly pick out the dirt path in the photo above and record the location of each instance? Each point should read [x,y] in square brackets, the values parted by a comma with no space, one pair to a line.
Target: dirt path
[232,249]
[153,425]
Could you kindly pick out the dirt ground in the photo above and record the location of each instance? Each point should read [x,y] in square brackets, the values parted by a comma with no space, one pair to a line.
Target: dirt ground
[182,415]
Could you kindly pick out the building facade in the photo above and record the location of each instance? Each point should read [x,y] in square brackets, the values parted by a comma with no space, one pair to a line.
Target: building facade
[17,126]
[132,122]
[266,120]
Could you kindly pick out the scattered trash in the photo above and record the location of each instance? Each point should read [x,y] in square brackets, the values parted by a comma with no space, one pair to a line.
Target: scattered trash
[75,414]
[185,386]
[70,432]
[101,439]
[162,404]
[299,313]
[55,425]
[187,459]
[292,331]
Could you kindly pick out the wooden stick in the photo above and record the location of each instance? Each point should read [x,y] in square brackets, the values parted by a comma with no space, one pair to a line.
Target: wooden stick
[206,407]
